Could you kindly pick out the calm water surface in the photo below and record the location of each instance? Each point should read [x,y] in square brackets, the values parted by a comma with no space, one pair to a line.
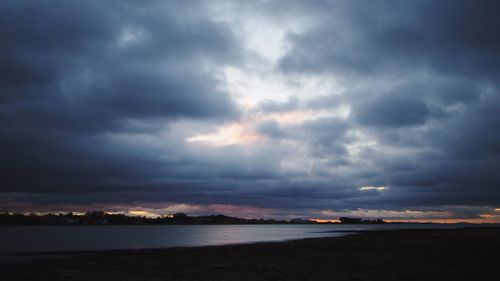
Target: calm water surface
[16,239]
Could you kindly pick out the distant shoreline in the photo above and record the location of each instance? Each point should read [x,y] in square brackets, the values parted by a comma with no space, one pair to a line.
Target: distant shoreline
[104,218]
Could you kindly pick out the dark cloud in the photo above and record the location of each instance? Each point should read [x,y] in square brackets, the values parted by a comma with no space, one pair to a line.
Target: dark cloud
[72,71]
[368,38]
[109,62]
[394,110]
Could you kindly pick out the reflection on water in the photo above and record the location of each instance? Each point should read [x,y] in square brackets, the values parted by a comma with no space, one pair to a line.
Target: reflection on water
[15,239]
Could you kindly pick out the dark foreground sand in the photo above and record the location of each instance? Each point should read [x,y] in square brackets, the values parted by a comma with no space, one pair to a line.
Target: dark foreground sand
[465,254]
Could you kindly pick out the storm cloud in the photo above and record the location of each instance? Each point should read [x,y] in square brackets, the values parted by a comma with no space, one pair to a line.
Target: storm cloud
[281,108]
[74,72]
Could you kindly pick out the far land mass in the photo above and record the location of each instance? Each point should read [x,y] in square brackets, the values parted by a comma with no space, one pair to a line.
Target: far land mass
[103,218]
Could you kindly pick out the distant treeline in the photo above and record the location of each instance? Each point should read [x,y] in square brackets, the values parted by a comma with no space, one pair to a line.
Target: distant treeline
[103,218]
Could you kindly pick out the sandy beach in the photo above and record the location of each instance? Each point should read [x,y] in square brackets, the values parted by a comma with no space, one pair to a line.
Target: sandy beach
[462,254]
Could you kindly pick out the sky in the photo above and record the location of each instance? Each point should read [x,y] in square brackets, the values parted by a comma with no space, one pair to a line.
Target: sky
[258,109]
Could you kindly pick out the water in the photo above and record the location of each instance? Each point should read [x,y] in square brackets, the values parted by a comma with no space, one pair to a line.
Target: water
[26,239]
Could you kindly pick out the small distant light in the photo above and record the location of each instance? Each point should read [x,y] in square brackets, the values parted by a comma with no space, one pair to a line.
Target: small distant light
[379,188]
[497,209]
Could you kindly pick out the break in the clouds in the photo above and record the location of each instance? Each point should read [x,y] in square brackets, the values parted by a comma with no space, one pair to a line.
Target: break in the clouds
[265,109]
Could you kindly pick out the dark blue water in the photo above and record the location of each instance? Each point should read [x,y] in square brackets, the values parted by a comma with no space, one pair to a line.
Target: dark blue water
[16,239]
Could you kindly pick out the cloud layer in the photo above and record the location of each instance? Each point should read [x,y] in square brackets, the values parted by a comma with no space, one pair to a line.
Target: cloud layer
[280,108]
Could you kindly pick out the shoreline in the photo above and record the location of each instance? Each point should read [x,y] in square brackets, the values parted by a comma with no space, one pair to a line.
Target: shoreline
[425,254]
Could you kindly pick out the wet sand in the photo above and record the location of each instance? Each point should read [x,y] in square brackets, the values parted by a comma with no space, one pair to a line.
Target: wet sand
[462,254]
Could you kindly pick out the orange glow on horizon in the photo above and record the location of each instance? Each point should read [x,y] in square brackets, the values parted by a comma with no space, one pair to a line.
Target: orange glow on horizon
[141,213]
[325,221]
[449,221]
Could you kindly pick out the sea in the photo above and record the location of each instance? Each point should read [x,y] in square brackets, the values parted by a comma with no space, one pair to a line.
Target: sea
[64,238]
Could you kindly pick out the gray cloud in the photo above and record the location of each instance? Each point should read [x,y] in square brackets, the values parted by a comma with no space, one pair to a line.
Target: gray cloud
[368,38]
[394,110]
[73,71]
[97,101]
[425,76]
